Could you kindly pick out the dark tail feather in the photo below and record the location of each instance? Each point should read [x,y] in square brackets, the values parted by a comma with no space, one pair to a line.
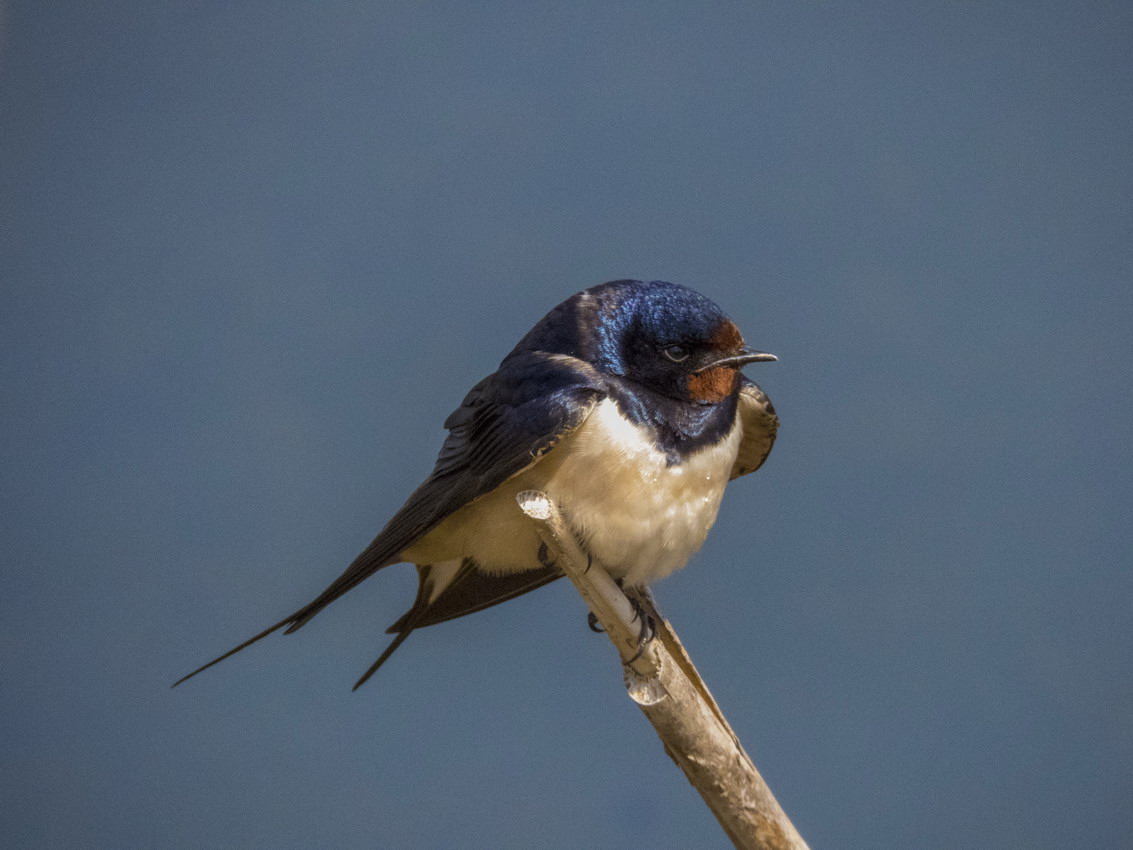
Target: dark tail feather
[372,559]
[394,644]
[236,649]
[362,568]
[408,621]
[469,591]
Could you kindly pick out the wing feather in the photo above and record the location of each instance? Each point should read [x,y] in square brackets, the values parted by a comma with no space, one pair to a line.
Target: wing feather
[506,423]
[760,423]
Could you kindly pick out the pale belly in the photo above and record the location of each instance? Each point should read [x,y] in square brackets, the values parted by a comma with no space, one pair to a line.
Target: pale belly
[639,517]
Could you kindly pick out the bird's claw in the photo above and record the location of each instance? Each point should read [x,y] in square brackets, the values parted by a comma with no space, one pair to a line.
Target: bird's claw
[646,631]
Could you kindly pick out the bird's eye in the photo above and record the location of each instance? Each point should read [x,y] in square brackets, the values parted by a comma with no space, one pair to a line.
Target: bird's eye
[676,353]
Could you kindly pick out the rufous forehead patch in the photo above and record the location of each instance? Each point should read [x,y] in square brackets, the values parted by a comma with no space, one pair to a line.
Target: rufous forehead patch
[713,385]
[726,337]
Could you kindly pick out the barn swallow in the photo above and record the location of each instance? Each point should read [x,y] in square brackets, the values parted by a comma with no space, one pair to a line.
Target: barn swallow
[626,406]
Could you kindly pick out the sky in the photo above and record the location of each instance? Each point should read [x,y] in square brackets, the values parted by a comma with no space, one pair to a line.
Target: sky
[252,254]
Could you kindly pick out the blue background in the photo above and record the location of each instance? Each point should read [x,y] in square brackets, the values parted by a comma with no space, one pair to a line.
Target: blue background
[252,255]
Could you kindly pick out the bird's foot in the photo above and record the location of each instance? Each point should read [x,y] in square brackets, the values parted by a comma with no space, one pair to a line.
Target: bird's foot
[647,629]
[648,626]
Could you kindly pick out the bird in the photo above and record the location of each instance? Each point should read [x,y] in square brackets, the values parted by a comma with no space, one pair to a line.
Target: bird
[625,405]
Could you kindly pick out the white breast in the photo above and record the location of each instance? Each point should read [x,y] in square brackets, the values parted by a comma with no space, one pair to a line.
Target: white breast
[637,515]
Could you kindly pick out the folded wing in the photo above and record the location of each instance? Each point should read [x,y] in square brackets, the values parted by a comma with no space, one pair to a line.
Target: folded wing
[760,423]
[506,423]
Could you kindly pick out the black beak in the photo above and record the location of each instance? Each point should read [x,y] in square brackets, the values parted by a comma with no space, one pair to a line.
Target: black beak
[745,356]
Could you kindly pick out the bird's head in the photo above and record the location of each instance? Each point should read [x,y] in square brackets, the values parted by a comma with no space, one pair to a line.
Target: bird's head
[669,339]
